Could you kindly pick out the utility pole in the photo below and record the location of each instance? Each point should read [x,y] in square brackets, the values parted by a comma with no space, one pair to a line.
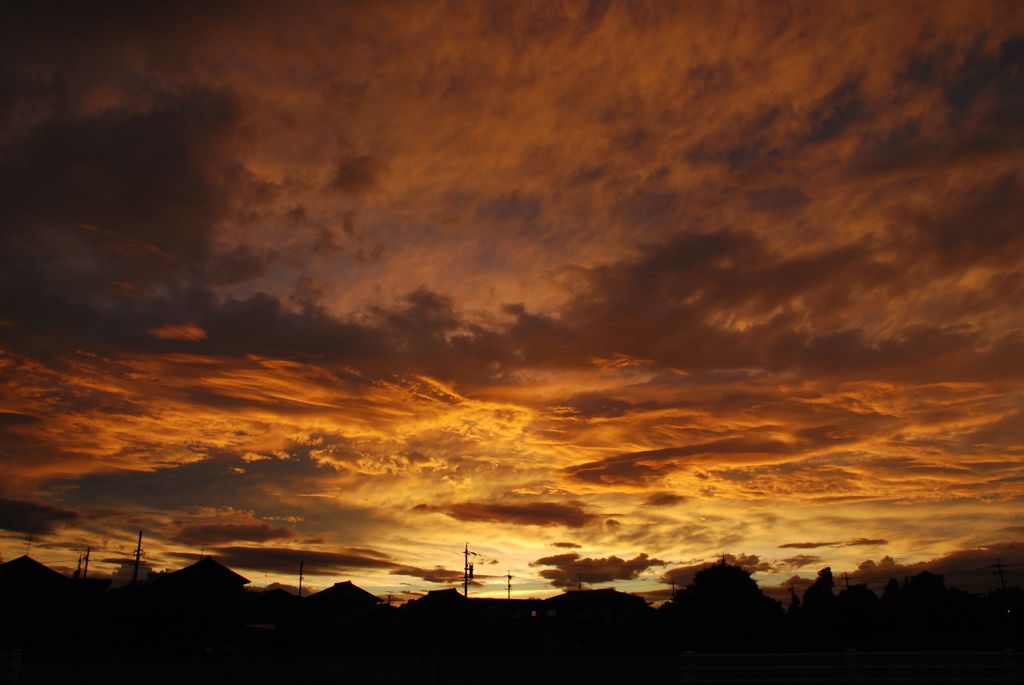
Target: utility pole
[301,566]
[85,571]
[999,567]
[508,576]
[78,571]
[467,571]
[138,554]
[673,590]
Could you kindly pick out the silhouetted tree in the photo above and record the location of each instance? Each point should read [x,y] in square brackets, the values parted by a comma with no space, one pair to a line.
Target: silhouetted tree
[818,614]
[859,610]
[725,609]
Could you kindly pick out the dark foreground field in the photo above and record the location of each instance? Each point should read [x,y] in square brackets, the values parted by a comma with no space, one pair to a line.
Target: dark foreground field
[402,667]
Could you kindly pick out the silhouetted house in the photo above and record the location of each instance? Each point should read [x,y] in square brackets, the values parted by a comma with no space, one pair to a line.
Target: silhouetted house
[596,618]
[605,607]
[275,607]
[496,612]
[271,619]
[340,601]
[204,582]
[199,605]
[32,602]
[26,575]
[436,604]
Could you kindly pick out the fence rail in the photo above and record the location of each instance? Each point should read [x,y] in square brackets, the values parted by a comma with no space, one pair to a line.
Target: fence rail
[10,662]
[853,668]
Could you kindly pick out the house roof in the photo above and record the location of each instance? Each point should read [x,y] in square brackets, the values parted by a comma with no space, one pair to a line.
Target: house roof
[600,595]
[439,598]
[25,569]
[275,595]
[344,592]
[206,569]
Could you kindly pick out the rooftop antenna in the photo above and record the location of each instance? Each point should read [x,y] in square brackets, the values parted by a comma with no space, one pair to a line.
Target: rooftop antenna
[508,576]
[78,571]
[85,571]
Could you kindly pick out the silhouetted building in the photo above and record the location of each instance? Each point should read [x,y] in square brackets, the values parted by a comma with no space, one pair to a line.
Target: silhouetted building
[206,581]
[605,607]
[341,598]
[275,607]
[199,605]
[25,574]
[33,601]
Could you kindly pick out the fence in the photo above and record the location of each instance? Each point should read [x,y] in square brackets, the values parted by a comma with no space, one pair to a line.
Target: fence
[854,668]
[9,664]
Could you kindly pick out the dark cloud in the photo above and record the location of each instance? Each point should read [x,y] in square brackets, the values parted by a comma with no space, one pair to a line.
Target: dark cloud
[799,561]
[643,466]
[566,545]
[682,576]
[592,405]
[532,514]
[989,81]
[569,570]
[32,518]
[865,542]
[855,542]
[219,533]
[808,545]
[212,483]
[128,196]
[663,499]
[968,569]
[437,574]
[784,591]
[284,560]
[358,175]
[836,112]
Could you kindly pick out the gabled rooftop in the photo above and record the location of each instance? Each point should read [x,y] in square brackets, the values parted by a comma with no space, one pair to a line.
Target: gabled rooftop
[206,569]
[344,593]
[25,569]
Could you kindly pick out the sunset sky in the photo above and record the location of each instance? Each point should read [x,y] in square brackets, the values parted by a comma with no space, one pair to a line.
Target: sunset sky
[605,289]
